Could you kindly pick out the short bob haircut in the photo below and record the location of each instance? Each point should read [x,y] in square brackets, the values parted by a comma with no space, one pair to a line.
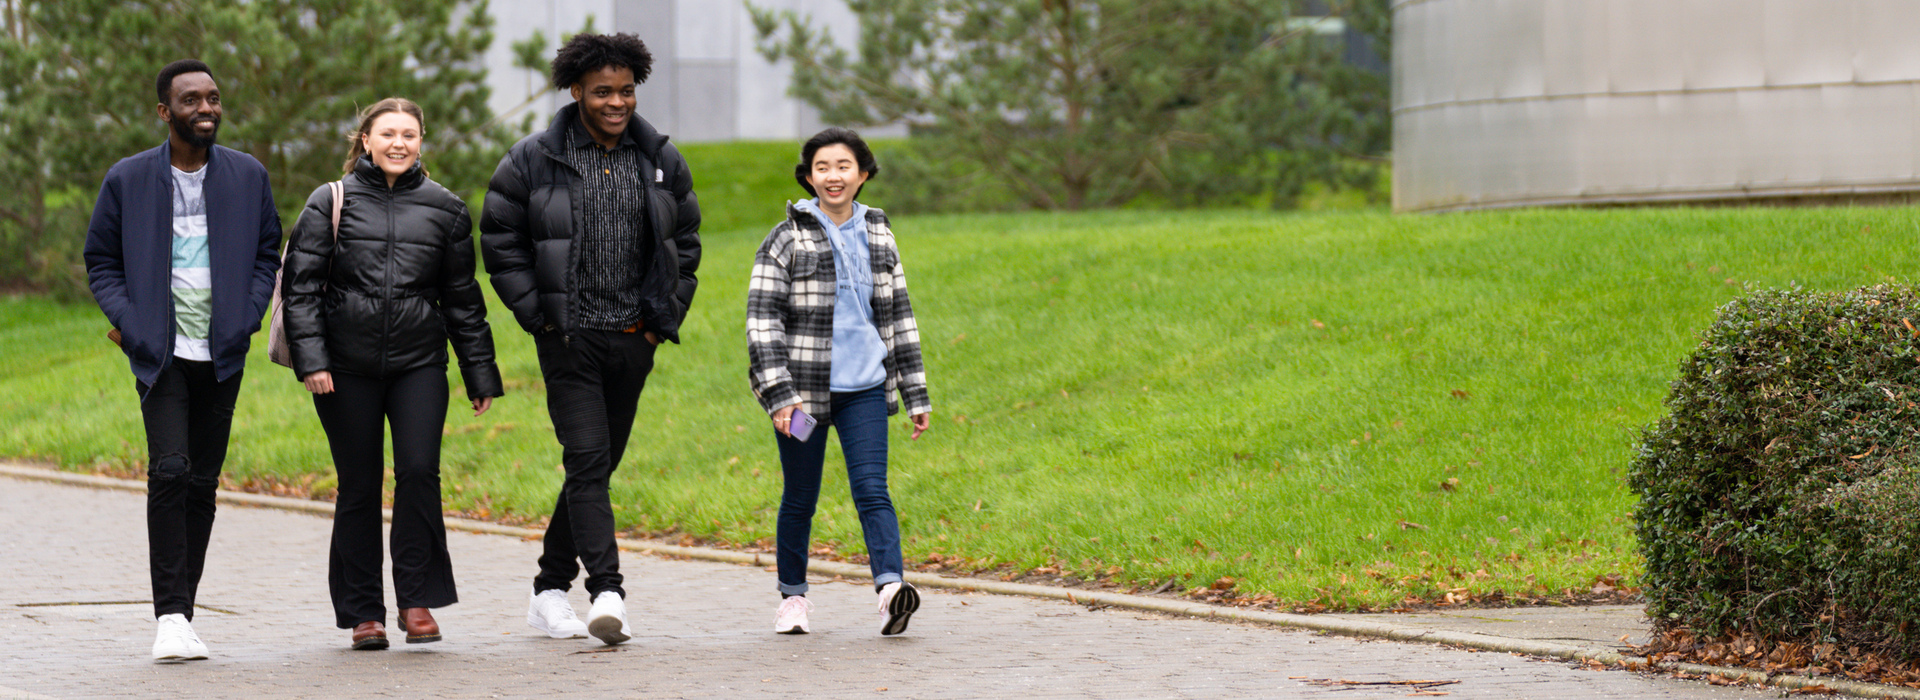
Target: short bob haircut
[586,53]
[836,135]
[164,84]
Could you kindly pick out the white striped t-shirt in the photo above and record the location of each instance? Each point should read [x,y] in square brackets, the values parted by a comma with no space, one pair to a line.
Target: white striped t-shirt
[192,281]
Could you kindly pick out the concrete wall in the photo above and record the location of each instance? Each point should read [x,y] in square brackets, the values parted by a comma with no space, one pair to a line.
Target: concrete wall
[1540,102]
[708,83]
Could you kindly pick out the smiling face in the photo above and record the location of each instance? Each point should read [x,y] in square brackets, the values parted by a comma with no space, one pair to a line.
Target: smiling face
[193,109]
[606,102]
[393,141]
[835,175]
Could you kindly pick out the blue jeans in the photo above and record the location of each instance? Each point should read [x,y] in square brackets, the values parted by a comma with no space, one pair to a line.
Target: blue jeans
[860,417]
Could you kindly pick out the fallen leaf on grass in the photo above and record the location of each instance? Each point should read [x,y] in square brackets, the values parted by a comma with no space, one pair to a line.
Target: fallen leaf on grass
[1461,394]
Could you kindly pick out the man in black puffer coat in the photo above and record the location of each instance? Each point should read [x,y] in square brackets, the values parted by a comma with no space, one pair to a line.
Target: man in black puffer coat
[591,233]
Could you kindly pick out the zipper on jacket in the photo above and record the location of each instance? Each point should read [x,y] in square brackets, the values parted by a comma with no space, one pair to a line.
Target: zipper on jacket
[386,300]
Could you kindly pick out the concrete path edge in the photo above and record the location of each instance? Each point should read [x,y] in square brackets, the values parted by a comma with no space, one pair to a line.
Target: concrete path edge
[1350,628]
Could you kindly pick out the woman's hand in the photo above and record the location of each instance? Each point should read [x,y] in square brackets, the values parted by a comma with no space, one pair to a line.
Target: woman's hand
[653,339]
[921,422]
[320,382]
[480,405]
[783,420]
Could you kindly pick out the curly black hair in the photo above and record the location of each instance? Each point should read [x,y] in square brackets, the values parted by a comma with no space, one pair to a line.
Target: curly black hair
[862,156]
[175,69]
[586,53]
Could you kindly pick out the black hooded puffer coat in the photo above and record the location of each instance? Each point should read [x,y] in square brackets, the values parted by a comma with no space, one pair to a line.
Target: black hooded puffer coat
[533,210]
[395,288]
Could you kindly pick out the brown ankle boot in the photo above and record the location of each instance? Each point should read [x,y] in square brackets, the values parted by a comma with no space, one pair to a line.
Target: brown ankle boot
[419,625]
[370,636]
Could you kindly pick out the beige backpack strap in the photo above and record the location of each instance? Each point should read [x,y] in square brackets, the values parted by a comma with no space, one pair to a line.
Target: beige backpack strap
[339,188]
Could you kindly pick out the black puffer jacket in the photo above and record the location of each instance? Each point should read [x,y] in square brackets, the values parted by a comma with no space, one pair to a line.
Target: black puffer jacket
[533,210]
[397,286]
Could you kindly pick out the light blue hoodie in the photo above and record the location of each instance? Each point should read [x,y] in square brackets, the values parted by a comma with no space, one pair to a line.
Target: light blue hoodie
[858,353]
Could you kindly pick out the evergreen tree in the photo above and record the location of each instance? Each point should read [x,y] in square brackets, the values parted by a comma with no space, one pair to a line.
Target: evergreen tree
[77,94]
[1068,104]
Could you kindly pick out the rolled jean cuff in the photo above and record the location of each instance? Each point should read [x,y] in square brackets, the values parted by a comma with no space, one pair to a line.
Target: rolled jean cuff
[885,579]
[793,588]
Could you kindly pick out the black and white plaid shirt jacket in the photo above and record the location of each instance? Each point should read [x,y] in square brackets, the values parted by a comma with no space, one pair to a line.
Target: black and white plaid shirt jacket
[790,301]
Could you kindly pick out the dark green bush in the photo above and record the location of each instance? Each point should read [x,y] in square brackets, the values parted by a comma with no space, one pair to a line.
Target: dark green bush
[1780,495]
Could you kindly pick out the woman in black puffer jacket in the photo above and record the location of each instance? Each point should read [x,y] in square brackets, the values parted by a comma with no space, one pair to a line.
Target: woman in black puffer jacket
[368,319]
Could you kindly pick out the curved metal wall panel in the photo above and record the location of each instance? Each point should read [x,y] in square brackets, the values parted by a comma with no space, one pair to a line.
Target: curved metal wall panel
[1544,102]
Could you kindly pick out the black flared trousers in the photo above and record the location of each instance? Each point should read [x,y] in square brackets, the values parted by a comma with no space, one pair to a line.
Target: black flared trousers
[355,416]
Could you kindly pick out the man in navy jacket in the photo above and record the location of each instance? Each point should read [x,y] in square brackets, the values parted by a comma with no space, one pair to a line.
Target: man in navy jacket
[180,256]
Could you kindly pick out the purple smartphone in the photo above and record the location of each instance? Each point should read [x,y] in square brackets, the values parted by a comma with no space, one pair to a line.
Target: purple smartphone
[802,427]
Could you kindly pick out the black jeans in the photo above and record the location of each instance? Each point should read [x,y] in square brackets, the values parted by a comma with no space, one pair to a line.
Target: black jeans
[188,416]
[415,404]
[593,388]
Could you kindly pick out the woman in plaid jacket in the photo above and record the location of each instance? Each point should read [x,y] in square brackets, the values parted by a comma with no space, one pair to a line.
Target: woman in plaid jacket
[831,337]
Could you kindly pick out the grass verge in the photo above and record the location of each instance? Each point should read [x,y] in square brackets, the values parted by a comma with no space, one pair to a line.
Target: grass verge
[1315,410]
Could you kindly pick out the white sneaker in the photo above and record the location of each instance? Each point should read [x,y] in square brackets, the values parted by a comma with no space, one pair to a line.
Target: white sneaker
[607,620]
[549,612]
[898,601]
[792,617]
[176,640]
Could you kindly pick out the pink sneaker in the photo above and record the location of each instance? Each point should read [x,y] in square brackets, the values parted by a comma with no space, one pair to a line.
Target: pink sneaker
[898,601]
[792,617]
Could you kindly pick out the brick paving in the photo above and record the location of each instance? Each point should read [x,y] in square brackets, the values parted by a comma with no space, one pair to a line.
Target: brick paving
[75,623]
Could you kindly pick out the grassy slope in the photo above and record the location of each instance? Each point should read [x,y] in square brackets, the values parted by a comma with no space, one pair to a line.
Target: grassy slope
[1268,397]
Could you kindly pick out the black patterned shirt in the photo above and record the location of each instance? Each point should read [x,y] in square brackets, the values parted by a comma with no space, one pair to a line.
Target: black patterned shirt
[609,251]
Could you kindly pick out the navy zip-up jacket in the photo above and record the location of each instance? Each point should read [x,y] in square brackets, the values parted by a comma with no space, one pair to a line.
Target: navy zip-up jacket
[129,256]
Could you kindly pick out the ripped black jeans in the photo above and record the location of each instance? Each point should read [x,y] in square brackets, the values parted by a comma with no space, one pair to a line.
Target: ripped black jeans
[188,415]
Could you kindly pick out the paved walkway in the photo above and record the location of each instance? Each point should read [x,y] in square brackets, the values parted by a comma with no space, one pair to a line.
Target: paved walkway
[75,623]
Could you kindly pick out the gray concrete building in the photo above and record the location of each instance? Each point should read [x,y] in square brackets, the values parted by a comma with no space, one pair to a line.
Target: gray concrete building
[708,84]
[1500,103]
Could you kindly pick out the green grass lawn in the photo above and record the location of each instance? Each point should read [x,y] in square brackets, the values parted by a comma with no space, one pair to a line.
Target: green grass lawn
[1343,408]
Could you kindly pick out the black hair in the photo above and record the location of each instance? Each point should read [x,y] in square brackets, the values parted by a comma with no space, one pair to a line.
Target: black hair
[175,69]
[586,53]
[836,135]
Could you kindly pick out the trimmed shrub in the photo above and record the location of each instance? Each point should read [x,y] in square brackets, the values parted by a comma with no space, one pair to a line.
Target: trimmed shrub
[1780,495]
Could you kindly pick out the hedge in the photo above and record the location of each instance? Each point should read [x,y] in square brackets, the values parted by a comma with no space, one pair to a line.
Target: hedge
[1779,497]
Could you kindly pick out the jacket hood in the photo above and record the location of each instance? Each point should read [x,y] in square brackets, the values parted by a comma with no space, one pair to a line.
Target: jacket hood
[554,139]
[369,174]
